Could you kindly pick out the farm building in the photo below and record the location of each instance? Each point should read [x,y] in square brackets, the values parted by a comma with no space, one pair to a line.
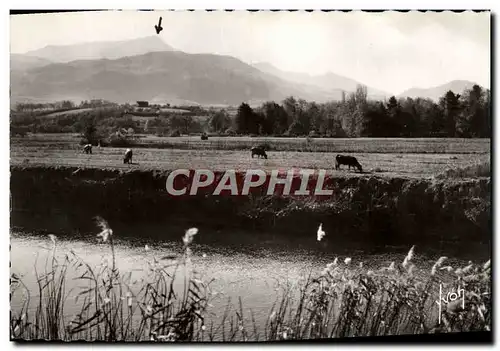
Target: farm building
[142,103]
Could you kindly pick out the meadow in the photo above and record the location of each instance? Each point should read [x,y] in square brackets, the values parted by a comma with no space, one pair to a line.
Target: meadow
[384,157]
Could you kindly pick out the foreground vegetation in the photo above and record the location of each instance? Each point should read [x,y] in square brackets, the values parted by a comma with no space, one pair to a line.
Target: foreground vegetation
[345,300]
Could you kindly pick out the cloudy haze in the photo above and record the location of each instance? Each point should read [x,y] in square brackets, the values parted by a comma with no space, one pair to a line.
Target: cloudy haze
[390,51]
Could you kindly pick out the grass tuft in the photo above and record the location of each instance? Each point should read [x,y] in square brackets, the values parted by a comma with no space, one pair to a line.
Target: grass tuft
[473,171]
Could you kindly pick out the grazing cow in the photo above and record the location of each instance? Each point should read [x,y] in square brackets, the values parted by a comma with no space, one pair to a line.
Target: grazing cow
[204,136]
[128,156]
[87,149]
[347,160]
[259,151]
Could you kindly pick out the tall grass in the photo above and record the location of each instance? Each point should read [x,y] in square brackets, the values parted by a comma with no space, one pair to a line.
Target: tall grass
[473,171]
[345,299]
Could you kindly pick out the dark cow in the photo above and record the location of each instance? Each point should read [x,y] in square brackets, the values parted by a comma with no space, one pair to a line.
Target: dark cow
[347,160]
[128,156]
[204,136]
[259,151]
[87,149]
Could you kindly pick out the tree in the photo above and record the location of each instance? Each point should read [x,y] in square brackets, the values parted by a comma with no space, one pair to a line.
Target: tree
[450,104]
[472,120]
[182,123]
[409,119]
[88,128]
[275,119]
[244,120]
[219,121]
[376,118]
[393,126]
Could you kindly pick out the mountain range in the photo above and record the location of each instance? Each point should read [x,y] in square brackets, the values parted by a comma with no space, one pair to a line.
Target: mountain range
[149,69]
[434,93]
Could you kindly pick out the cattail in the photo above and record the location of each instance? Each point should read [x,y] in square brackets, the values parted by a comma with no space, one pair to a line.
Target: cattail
[52,238]
[333,264]
[188,237]
[106,230]
[321,233]
[129,299]
[408,257]
[467,268]
[272,317]
[438,264]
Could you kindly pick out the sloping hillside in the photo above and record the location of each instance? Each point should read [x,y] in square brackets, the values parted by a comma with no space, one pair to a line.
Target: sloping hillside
[20,62]
[328,81]
[201,78]
[101,50]
[434,93]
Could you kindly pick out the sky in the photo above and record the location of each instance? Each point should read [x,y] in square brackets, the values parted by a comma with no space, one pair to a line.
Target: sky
[391,51]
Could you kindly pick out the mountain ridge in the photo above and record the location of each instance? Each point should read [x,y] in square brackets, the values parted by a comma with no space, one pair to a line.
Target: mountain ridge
[163,73]
[327,81]
[101,49]
[436,92]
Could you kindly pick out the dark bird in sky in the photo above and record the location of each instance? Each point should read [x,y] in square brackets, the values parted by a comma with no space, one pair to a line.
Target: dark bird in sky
[158,27]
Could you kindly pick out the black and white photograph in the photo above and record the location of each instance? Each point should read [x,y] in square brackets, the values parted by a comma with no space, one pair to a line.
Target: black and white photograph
[237,176]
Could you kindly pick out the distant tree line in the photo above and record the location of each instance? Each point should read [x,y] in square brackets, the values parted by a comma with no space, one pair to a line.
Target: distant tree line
[52,107]
[455,115]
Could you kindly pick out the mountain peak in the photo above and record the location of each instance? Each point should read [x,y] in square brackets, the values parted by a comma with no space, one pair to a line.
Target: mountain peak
[101,49]
[434,93]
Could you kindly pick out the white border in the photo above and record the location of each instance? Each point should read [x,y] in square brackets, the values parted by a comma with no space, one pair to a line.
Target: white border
[191,4]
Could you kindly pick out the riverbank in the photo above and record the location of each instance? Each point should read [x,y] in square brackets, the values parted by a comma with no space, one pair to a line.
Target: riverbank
[365,211]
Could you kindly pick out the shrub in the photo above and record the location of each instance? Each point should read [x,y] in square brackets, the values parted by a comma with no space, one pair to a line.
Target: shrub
[473,171]
[230,131]
[175,133]
[118,140]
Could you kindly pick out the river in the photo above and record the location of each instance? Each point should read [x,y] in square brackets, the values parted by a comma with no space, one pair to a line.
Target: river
[257,276]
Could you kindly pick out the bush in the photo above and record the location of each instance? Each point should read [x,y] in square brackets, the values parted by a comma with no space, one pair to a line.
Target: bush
[121,141]
[230,131]
[175,133]
[474,171]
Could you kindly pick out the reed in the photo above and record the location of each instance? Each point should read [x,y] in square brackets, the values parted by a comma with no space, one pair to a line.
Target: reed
[346,299]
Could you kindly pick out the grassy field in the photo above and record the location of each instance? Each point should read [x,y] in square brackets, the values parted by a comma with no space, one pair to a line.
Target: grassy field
[335,145]
[70,112]
[382,164]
